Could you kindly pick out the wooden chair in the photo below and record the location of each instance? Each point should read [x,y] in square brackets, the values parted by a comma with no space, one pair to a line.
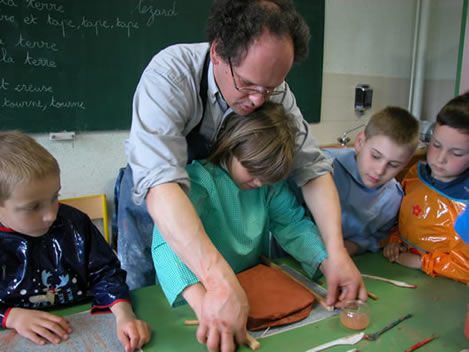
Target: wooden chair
[94,206]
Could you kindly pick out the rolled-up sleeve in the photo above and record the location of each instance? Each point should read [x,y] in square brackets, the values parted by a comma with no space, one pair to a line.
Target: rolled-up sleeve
[166,106]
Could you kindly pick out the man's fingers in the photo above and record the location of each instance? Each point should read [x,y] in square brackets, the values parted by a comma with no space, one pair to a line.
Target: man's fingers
[363,293]
[332,288]
[213,340]
[227,342]
[201,334]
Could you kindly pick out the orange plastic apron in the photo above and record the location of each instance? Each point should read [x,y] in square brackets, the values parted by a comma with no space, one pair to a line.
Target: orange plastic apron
[426,225]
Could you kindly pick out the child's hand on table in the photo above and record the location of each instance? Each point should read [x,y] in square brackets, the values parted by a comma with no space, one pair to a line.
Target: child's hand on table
[410,260]
[393,250]
[131,332]
[37,326]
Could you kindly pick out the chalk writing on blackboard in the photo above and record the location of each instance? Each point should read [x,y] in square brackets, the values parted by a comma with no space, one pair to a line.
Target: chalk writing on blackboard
[48,50]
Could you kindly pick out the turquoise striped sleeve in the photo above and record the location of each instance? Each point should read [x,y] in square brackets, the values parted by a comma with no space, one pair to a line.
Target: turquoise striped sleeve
[173,275]
[295,232]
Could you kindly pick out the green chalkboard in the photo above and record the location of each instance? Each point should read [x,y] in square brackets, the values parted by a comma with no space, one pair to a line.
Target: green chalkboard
[74,65]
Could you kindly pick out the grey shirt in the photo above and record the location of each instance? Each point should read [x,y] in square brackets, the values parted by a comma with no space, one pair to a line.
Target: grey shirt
[167,106]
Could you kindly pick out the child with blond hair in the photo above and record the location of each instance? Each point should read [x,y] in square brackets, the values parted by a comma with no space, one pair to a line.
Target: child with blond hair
[52,254]
[369,195]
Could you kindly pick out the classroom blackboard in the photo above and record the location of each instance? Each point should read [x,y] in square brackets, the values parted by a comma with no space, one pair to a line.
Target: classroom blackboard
[74,65]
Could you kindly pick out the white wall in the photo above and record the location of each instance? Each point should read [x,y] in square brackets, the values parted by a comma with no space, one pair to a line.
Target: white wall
[366,41]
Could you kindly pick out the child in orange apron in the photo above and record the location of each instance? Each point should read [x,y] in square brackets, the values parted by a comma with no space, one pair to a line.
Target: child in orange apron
[436,192]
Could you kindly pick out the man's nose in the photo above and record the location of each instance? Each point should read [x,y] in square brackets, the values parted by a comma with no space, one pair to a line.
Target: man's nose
[257,99]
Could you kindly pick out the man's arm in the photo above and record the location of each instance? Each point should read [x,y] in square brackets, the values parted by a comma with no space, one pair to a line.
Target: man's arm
[224,308]
[321,197]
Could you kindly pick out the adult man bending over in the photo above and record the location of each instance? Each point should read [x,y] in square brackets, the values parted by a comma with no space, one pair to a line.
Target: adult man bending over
[177,112]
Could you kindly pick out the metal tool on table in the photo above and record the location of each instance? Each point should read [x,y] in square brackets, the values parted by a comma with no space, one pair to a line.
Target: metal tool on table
[316,290]
[374,336]
[347,340]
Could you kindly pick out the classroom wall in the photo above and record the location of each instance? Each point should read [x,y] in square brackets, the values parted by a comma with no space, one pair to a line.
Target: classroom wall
[374,49]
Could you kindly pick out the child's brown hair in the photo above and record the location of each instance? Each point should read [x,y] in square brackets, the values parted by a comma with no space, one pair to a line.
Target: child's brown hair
[263,142]
[455,113]
[396,123]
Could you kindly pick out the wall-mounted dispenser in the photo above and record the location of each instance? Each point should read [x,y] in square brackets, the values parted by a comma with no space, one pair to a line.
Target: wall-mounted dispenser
[363,98]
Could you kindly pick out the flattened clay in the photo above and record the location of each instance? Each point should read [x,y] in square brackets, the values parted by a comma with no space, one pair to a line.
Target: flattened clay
[274,298]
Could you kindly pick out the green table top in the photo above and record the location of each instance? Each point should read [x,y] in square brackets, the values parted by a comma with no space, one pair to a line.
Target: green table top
[438,306]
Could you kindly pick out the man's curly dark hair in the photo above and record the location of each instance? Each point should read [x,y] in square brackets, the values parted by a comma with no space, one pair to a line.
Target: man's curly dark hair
[235,24]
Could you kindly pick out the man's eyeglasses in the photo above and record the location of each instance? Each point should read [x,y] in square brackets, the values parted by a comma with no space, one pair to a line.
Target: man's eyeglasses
[247,90]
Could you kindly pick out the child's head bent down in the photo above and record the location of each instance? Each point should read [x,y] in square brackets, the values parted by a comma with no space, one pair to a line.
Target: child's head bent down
[386,146]
[29,184]
[258,148]
[448,151]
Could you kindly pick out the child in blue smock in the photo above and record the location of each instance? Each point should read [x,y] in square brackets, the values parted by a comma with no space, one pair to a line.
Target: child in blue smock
[369,195]
[241,198]
[52,254]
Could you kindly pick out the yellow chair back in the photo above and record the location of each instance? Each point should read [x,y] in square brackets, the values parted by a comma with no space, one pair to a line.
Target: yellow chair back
[94,206]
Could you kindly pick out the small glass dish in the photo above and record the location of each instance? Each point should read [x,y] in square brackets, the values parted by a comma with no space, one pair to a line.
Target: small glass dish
[355,314]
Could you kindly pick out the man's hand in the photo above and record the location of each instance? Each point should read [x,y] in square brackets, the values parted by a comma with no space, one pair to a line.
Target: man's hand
[344,281]
[223,319]
[224,308]
[39,327]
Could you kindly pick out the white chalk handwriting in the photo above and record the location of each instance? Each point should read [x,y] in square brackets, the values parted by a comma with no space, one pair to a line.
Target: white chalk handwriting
[26,87]
[38,61]
[40,104]
[35,44]
[5,58]
[9,3]
[44,6]
[152,12]
[7,18]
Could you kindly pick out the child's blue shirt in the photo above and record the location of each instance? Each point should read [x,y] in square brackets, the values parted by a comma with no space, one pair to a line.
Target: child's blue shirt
[367,213]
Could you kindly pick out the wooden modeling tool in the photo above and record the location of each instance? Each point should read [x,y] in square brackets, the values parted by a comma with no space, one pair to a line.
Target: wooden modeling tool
[320,298]
[372,296]
[253,344]
[394,282]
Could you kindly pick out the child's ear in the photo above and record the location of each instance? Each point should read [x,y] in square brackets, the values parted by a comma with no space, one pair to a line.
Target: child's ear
[359,141]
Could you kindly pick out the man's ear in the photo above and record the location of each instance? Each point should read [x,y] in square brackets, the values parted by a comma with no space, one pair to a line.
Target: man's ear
[213,53]
[359,141]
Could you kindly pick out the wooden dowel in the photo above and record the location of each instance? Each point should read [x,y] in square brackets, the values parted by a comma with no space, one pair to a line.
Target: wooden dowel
[321,299]
[191,322]
[372,296]
[253,344]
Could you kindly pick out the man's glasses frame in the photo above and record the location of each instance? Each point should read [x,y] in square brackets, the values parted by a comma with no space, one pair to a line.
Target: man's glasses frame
[265,92]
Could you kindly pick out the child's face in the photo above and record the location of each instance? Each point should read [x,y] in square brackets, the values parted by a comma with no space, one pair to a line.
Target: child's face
[379,159]
[241,176]
[32,207]
[448,153]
